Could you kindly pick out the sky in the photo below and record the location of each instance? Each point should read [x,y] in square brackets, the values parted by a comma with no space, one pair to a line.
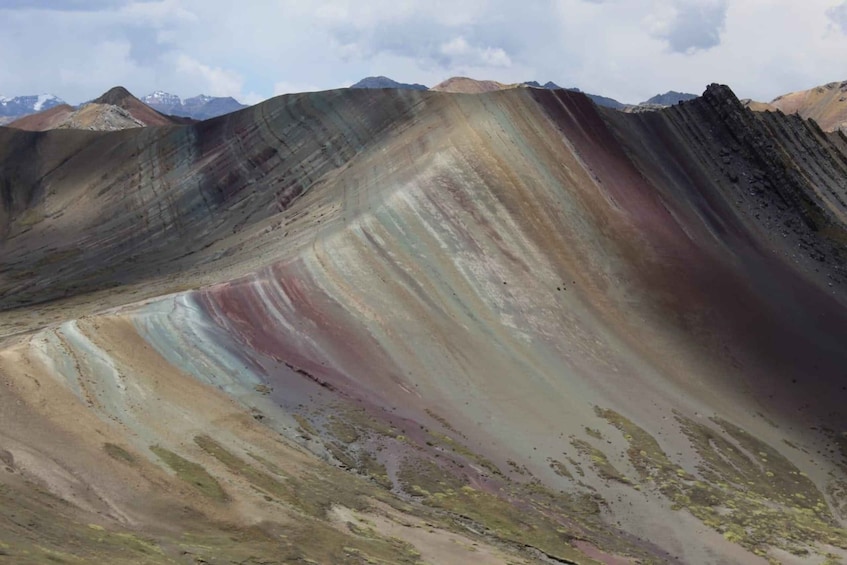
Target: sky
[252,50]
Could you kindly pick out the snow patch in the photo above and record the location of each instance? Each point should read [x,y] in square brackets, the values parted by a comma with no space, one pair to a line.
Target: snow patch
[42,99]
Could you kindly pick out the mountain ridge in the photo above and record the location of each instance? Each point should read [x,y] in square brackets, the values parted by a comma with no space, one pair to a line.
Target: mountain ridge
[826,104]
[200,107]
[385,82]
[115,109]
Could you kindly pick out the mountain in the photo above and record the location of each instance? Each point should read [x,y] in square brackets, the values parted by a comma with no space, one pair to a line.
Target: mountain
[116,109]
[200,107]
[465,85]
[19,106]
[163,101]
[669,98]
[604,101]
[597,99]
[826,104]
[548,85]
[410,326]
[385,82]
[57,117]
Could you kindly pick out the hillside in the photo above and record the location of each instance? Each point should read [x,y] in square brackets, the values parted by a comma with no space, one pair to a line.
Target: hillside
[465,85]
[826,104]
[401,325]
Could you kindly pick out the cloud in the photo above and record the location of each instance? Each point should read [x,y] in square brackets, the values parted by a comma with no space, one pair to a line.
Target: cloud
[689,25]
[63,5]
[214,81]
[838,15]
[626,49]
[284,87]
[458,50]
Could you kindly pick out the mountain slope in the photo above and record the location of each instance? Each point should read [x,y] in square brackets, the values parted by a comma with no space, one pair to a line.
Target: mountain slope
[44,120]
[559,331]
[826,104]
[460,85]
[465,85]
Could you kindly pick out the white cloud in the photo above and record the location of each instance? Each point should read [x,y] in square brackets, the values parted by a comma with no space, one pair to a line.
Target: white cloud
[460,51]
[214,81]
[626,49]
[688,25]
[158,13]
[283,87]
[838,15]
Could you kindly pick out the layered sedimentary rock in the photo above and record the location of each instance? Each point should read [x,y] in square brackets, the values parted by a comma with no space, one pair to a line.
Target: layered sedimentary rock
[394,324]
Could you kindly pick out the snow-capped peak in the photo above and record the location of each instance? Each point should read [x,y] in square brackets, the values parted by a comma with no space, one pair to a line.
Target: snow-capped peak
[43,99]
[162,97]
[24,105]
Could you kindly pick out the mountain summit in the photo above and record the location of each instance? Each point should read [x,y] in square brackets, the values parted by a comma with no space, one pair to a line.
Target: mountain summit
[669,98]
[117,95]
[200,107]
[385,82]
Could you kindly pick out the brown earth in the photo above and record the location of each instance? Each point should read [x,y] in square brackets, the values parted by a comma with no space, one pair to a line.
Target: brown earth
[465,85]
[826,104]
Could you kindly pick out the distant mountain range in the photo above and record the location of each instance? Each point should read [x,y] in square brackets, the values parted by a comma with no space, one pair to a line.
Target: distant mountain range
[385,82]
[13,108]
[116,109]
[200,107]
[467,85]
[204,107]
[669,98]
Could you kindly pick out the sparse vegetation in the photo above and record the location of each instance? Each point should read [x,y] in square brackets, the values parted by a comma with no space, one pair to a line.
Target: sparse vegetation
[119,453]
[747,490]
[192,473]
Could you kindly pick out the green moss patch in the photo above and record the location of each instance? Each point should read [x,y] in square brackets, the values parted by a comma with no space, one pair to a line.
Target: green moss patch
[119,453]
[746,489]
[192,473]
